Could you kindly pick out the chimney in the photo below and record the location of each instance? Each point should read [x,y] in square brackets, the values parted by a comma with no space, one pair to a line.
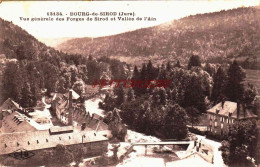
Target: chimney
[222,103]
[70,108]
[1,118]
[70,99]
[238,109]
[244,110]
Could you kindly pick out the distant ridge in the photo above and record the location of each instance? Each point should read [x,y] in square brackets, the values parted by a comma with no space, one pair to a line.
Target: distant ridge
[216,37]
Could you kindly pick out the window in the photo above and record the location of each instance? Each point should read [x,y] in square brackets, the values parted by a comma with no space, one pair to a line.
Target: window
[28,143]
[59,138]
[47,140]
[69,137]
[37,141]
[5,145]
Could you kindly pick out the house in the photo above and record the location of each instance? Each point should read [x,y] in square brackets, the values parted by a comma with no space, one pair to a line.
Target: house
[225,113]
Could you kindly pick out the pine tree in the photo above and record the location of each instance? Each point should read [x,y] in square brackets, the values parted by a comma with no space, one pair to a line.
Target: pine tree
[235,88]
[168,66]
[143,73]
[193,94]
[162,94]
[178,64]
[150,70]
[136,73]
[194,62]
[119,92]
[218,90]
[130,95]
[27,99]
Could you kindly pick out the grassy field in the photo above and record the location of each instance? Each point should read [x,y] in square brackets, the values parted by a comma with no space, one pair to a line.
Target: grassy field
[253,77]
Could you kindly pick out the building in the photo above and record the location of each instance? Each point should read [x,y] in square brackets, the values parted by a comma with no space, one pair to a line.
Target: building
[80,133]
[225,113]
[9,105]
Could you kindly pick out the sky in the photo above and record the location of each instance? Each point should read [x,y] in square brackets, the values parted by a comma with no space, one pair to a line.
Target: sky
[163,11]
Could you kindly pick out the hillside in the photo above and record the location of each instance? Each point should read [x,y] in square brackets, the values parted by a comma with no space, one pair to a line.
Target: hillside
[28,66]
[214,36]
[19,44]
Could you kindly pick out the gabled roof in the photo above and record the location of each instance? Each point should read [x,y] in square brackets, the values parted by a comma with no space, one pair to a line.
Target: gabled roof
[9,104]
[229,109]
[16,122]
[11,142]
[75,96]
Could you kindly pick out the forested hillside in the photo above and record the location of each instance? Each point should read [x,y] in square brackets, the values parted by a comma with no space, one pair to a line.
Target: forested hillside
[214,37]
[29,68]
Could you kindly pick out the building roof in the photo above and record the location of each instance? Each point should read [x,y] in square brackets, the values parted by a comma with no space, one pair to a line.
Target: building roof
[9,104]
[43,139]
[16,122]
[56,129]
[75,96]
[229,109]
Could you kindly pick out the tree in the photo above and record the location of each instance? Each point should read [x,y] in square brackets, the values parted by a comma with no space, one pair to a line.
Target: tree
[108,104]
[240,146]
[120,95]
[219,85]
[169,66]
[83,72]
[114,121]
[235,88]
[136,73]
[28,99]
[193,115]
[178,64]
[20,53]
[162,94]
[249,94]
[194,95]
[175,124]
[130,95]
[12,82]
[79,87]
[194,62]
[210,69]
[60,156]
[151,71]
[61,85]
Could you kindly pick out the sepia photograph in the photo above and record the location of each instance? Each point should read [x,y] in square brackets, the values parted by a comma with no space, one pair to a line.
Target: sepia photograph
[130,83]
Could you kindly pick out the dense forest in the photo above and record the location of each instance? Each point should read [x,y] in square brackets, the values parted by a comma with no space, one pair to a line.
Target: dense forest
[167,112]
[30,69]
[216,37]
[193,89]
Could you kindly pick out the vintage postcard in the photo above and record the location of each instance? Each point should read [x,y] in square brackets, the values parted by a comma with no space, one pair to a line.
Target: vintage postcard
[130,83]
